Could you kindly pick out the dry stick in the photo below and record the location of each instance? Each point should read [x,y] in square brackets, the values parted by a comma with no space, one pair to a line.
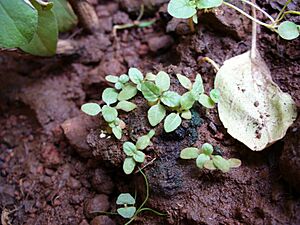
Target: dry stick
[87,14]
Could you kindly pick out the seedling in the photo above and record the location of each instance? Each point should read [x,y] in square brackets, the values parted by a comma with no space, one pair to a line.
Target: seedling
[187,9]
[24,23]
[134,152]
[205,158]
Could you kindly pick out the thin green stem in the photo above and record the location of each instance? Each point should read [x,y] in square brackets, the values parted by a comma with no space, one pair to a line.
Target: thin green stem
[260,9]
[247,15]
[141,13]
[154,211]
[288,12]
[282,10]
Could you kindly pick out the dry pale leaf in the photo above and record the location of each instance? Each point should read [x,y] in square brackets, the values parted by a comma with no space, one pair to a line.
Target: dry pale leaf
[252,107]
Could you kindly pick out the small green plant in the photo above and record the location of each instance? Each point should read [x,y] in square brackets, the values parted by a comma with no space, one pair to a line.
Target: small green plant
[127,203]
[185,9]
[134,152]
[33,25]
[205,158]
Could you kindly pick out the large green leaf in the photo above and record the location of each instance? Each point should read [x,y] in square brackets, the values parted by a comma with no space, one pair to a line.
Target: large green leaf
[156,114]
[44,41]
[171,98]
[150,91]
[126,212]
[206,4]
[18,23]
[65,16]
[288,30]
[172,121]
[92,109]
[125,198]
[128,165]
[189,153]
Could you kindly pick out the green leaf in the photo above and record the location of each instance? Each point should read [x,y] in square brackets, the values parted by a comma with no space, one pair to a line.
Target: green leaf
[124,78]
[125,198]
[170,98]
[156,114]
[109,113]
[45,39]
[172,121]
[150,77]
[151,134]
[187,100]
[128,165]
[150,91]
[139,156]
[209,165]
[135,75]
[206,4]
[186,115]
[18,23]
[201,159]
[112,79]
[128,92]
[206,101]
[91,109]
[126,106]
[184,81]
[65,16]
[126,212]
[162,81]
[215,95]
[119,85]
[197,86]
[181,9]
[110,96]
[189,153]
[129,148]
[221,163]
[143,142]
[288,30]
[117,131]
[207,149]
[234,163]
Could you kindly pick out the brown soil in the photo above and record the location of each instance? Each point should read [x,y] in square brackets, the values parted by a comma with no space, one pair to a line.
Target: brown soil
[54,168]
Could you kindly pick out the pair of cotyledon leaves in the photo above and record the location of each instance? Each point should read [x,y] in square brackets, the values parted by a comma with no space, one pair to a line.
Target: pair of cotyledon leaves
[33,25]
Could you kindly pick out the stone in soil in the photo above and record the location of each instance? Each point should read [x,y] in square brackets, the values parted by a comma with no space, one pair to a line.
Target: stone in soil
[101,182]
[99,203]
[102,220]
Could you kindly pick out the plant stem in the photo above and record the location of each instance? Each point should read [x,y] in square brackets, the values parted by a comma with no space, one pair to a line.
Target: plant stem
[254,34]
[260,9]
[247,15]
[282,10]
[154,211]
[212,62]
[288,12]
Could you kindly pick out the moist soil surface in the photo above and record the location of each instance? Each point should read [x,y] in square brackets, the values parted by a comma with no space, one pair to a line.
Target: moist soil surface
[57,168]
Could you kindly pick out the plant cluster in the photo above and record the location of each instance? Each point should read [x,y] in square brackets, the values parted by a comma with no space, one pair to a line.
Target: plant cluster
[205,158]
[134,151]
[33,25]
[155,89]
[185,9]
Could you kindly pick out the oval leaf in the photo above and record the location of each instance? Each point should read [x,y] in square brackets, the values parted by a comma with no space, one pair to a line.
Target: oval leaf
[172,121]
[150,91]
[162,81]
[186,115]
[221,163]
[181,9]
[125,198]
[139,156]
[215,95]
[234,163]
[170,98]
[109,113]
[126,106]
[18,23]
[207,149]
[128,165]
[288,30]
[189,153]
[129,148]
[206,4]
[209,165]
[187,101]
[128,92]
[143,142]
[156,114]
[117,131]
[112,79]
[110,96]
[201,160]
[197,88]
[126,212]
[135,75]
[184,81]
[206,101]
[91,109]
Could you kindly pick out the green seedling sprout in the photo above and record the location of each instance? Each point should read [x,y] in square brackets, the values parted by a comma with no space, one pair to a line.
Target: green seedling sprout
[205,158]
[134,152]
[136,23]
[187,9]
